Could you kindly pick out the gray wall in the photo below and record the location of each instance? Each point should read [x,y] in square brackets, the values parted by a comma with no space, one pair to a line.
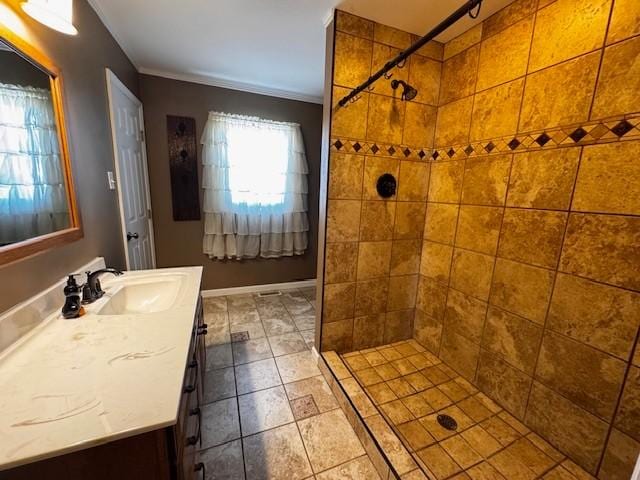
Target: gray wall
[82,60]
[180,243]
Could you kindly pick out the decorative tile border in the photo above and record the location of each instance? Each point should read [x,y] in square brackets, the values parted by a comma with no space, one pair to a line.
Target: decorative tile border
[603,131]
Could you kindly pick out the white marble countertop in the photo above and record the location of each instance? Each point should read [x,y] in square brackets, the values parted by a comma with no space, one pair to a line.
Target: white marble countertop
[72,384]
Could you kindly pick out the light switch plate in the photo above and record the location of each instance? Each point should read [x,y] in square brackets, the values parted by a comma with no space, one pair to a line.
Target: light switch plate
[111,181]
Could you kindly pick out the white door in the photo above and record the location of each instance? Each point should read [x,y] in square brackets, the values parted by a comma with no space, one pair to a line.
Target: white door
[127,129]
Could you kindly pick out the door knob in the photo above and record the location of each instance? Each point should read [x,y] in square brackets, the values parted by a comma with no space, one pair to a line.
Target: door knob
[132,235]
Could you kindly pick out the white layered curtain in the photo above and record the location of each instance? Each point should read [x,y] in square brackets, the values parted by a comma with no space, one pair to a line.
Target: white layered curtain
[33,198]
[255,188]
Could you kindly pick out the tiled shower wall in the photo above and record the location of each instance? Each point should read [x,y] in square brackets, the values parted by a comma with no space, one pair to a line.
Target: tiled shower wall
[529,276]
[372,254]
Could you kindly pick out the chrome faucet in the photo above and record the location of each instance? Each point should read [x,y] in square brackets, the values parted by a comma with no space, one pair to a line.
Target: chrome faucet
[92,290]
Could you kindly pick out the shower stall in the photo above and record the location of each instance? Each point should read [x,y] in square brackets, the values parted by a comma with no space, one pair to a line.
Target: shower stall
[480,246]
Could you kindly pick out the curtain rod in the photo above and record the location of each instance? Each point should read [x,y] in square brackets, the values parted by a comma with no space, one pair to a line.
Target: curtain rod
[402,56]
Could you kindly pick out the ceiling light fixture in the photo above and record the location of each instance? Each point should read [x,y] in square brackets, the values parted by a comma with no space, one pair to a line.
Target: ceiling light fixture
[56,14]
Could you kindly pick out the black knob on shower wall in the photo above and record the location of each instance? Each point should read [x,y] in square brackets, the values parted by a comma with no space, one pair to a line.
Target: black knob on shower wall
[386,185]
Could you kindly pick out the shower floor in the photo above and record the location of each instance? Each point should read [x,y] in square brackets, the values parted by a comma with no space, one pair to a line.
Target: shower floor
[411,388]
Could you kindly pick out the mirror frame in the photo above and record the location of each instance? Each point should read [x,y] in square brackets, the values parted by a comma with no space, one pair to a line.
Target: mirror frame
[35,245]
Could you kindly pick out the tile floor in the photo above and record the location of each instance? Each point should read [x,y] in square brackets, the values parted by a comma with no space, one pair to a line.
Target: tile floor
[269,413]
[411,388]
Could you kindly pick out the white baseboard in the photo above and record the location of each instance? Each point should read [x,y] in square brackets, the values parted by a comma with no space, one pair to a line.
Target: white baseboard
[221,292]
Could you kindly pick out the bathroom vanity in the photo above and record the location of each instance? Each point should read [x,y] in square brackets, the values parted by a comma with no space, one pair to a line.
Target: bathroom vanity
[115,393]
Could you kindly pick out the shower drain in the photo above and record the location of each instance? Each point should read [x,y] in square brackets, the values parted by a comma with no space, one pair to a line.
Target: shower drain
[447,422]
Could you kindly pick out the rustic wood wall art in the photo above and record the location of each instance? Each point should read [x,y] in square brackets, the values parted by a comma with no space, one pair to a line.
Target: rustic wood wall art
[183,165]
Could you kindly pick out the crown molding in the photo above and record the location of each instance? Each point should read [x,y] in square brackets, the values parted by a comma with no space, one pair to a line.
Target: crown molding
[232,85]
[103,18]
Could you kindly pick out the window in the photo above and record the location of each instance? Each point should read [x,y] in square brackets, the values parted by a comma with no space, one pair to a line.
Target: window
[255,188]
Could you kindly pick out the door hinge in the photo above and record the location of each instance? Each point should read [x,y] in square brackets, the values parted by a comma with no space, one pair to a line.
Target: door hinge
[149,213]
[142,136]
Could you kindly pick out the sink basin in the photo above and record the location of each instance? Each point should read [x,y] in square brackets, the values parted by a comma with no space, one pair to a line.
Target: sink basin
[142,295]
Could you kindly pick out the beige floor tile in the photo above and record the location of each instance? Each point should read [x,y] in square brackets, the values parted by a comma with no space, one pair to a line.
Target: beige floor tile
[415,435]
[401,387]
[219,384]
[297,366]
[375,358]
[417,405]
[257,376]
[237,317]
[358,469]
[224,461]
[251,351]
[253,329]
[391,444]
[381,393]
[220,422]
[278,326]
[329,440]
[315,386]
[510,466]
[481,441]
[305,322]
[359,398]
[214,304]
[418,381]
[263,410]
[219,356]
[287,343]
[396,412]
[276,454]
[356,362]
[240,302]
[461,452]
[439,462]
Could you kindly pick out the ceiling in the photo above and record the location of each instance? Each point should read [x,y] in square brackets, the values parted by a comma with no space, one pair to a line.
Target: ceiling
[274,47]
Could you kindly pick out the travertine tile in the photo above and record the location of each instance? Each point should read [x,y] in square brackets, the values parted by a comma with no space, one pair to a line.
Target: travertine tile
[480,440]
[251,351]
[479,228]
[350,121]
[371,296]
[381,393]
[543,179]
[225,460]
[381,55]
[263,410]
[424,75]
[514,338]
[599,315]
[339,301]
[604,248]
[507,16]
[628,415]
[317,387]
[496,111]
[608,178]
[257,376]
[573,430]
[343,220]
[368,330]
[463,41]
[459,75]
[341,262]
[220,422]
[471,273]
[440,222]
[219,356]
[620,457]
[220,384]
[287,343]
[409,220]
[374,167]
[354,469]
[625,21]
[431,298]
[297,366]
[416,403]
[512,43]
[565,30]
[522,289]
[329,440]
[352,60]
[432,49]
[439,462]
[436,261]
[486,179]
[460,353]
[214,304]
[391,444]
[337,335]
[419,123]
[277,453]
[356,361]
[484,471]
[345,176]
[374,259]
[445,186]
[510,466]
[391,36]
[377,220]
[584,375]
[454,120]
[500,430]
[396,412]
[465,315]
[413,182]
[461,452]
[398,324]
[346,22]
[427,330]
[405,257]
[560,95]
[505,384]
[532,236]
[240,303]
[415,435]
[386,119]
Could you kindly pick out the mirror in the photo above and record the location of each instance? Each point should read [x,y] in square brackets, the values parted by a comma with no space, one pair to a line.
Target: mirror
[37,204]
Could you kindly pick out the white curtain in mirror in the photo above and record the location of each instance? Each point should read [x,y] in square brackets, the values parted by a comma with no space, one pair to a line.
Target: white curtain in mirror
[255,188]
[33,198]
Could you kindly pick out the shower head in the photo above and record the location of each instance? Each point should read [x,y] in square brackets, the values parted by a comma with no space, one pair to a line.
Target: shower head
[408,92]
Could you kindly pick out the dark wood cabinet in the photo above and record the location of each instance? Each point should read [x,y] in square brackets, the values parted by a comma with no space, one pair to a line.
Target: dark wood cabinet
[164,454]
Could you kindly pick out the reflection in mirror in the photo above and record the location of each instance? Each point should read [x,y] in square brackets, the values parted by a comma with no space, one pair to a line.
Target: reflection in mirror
[33,193]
